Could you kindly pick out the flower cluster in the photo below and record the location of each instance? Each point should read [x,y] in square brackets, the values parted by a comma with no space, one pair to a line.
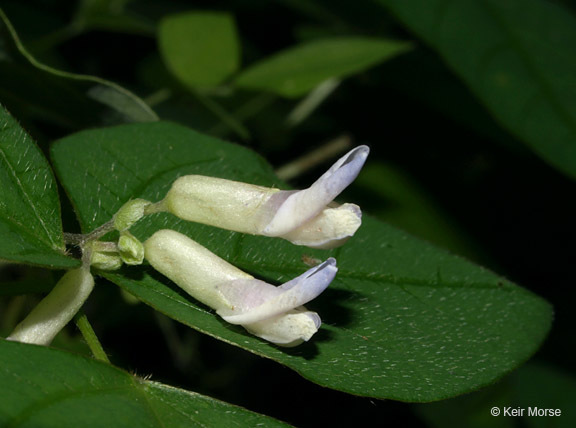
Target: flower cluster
[305,217]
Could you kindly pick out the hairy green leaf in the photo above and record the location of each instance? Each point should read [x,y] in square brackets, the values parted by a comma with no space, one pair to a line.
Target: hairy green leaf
[73,391]
[298,70]
[402,319]
[30,225]
[517,56]
[199,48]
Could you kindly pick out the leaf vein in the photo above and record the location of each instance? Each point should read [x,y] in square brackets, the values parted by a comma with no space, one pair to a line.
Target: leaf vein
[27,198]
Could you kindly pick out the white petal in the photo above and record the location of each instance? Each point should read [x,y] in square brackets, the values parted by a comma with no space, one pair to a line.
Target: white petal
[56,309]
[303,205]
[293,294]
[330,229]
[245,294]
[289,329]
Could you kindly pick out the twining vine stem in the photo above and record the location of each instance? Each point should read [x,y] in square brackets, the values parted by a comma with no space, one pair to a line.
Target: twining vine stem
[80,238]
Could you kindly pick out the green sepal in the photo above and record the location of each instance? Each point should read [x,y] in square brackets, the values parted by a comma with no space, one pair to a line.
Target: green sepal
[131,249]
[130,213]
[105,260]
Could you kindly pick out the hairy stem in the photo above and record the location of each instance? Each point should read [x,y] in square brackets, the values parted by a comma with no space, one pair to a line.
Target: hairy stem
[153,208]
[81,238]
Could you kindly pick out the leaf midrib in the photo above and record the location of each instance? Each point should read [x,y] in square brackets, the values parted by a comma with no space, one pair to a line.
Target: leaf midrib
[27,199]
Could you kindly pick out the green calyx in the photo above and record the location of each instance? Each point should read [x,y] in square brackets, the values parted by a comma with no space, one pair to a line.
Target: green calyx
[130,248]
[105,260]
[130,213]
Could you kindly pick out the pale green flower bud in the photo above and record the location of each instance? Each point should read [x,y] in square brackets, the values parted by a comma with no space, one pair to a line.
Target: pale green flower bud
[130,248]
[130,213]
[104,260]
[56,309]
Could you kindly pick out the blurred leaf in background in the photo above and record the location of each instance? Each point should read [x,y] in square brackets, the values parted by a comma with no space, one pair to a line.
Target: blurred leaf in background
[296,71]
[531,386]
[517,56]
[200,48]
[69,100]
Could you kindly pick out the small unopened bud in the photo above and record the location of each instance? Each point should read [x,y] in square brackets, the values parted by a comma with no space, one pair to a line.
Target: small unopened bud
[130,213]
[104,255]
[105,260]
[131,249]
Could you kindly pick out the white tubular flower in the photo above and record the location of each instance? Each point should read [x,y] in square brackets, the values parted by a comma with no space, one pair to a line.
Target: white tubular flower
[303,217]
[56,309]
[273,313]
